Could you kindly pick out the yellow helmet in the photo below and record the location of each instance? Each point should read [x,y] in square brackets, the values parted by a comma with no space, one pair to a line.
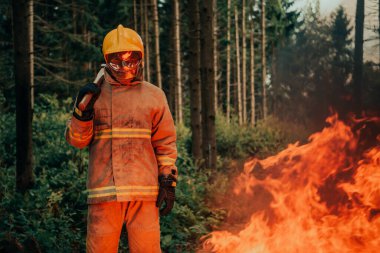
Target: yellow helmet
[122,39]
[117,45]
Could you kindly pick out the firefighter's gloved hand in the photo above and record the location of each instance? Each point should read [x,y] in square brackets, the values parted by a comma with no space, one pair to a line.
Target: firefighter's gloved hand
[87,113]
[166,193]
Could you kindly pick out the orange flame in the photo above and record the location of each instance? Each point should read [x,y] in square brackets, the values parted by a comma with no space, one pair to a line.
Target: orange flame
[323,197]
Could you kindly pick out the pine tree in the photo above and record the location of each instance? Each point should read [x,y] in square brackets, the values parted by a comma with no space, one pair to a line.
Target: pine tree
[244,63]
[228,63]
[215,16]
[157,44]
[252,70]
[194,80]
[146,42]
[177,62]
[237,44]
[358,57]
[207,84]
[24,78]
[263,61]
[342,58]
[134,15]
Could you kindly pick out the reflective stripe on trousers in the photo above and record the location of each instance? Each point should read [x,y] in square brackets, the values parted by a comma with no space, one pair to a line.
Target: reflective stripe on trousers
[105,221]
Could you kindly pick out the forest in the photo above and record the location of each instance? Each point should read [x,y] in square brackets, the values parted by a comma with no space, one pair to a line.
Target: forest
[276,109]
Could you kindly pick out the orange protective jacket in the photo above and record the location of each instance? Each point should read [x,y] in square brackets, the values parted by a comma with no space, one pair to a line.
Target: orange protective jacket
[132,140]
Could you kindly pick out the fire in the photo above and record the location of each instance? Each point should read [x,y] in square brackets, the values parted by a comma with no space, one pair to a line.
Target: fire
[323,196]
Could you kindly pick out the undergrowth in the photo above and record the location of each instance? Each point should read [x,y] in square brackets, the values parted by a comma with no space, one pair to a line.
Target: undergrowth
[51,217]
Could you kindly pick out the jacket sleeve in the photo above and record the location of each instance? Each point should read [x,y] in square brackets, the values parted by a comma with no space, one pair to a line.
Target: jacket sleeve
[164,139]
[79,133]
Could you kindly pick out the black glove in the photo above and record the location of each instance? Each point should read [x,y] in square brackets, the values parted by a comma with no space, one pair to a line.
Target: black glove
[88,113]
[166,193]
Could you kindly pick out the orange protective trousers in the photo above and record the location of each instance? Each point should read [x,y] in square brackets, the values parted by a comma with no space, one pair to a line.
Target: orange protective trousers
[105,221]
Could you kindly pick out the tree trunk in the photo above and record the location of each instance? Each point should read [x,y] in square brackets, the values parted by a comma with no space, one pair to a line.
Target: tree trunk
[358,56]
[24,76]
[31,53]
[85,63]
[244,65]
[239,102]
[134,15]
[142,32]
[207,83]
[147,52]
[252,72]
[215,55]
[177,61]
[87,40]
[263,60]
[157,43]
[172,98]
[273,80]
[141,17]
[75,14]
[194,80]
[228,70]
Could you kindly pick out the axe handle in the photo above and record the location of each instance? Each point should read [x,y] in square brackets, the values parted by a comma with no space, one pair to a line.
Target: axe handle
[87,98]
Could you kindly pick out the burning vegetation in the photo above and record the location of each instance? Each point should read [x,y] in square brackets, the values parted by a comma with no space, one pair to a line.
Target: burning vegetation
[322,196]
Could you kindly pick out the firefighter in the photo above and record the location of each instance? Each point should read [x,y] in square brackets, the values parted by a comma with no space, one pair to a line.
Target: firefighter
[131,137]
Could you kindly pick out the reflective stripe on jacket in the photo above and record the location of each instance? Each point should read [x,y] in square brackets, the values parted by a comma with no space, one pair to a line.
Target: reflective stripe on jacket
[132,140]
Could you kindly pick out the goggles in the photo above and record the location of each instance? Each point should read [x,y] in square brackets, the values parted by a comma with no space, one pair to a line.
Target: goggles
[124,61]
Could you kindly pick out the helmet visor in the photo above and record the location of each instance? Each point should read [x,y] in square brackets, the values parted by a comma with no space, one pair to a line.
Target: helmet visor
[124,61]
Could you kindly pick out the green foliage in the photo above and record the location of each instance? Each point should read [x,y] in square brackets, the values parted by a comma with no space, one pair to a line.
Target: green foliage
[6,56]
[312,73]
[311,62]
[239,142]
[342,54]
[52,215]
[303,89]
[191,218]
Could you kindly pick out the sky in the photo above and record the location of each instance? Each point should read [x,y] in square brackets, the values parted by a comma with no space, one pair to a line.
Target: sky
[326,5]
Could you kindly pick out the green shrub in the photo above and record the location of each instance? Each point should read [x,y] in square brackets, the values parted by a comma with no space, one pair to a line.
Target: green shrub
[51,217]
[237,142]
